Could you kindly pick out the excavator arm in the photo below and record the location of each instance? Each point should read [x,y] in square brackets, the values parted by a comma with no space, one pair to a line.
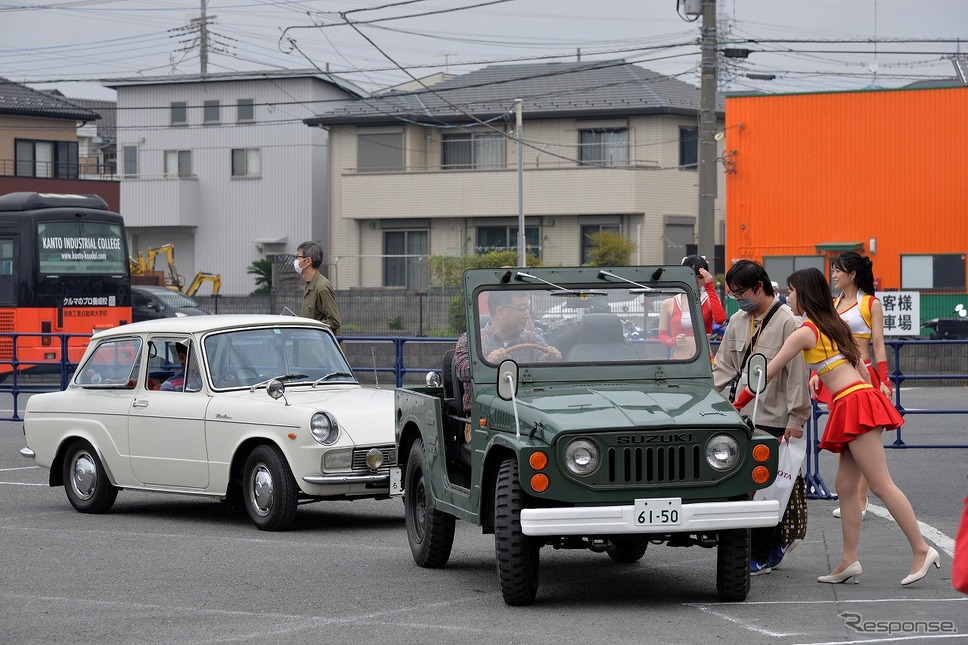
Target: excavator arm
[201,277]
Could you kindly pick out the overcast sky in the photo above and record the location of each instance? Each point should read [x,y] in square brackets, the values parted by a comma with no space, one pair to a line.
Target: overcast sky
[50,43]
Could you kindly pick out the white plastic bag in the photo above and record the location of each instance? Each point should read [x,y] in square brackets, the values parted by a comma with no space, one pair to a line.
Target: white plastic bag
[791,456]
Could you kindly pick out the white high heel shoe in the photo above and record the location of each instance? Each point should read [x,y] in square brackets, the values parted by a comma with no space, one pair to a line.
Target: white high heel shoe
[852,572]
[863,513]
[931,558]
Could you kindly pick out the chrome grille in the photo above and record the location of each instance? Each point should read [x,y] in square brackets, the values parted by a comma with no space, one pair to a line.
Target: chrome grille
[653,464]
[359,457]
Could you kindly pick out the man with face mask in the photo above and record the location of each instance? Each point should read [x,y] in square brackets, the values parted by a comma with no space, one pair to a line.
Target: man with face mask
[761,325]
[319,299]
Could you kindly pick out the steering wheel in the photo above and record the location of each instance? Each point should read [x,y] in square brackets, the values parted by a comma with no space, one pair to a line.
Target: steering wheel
[236,375]
[544,348]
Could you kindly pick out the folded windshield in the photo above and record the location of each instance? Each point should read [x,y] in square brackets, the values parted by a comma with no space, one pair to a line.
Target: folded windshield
[607,323]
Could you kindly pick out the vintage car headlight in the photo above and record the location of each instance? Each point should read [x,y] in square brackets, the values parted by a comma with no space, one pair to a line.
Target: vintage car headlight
[582,457]
[722,452]
[325,428]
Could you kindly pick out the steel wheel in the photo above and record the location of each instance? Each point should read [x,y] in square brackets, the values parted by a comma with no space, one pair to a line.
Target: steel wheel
[269,490]
[85,480]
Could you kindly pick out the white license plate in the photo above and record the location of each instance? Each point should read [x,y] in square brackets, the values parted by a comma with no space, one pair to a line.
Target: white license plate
[665,511]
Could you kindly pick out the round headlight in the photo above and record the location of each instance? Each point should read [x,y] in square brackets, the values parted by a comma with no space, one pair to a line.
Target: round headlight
[722,452]
[325,428]
[374,458]
[582,457]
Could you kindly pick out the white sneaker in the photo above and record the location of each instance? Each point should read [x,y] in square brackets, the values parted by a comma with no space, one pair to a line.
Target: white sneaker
[863,513]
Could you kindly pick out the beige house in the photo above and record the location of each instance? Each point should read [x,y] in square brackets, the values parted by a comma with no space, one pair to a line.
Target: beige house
[605,146]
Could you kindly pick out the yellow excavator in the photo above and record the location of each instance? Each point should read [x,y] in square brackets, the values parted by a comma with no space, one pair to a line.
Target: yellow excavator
[144,264]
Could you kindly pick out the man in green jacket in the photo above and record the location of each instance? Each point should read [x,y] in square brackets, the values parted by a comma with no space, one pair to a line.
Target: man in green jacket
[319,299]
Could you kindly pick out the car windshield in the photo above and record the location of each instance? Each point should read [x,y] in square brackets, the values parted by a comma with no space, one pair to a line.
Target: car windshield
[247,357]
[175,299]
[607,323]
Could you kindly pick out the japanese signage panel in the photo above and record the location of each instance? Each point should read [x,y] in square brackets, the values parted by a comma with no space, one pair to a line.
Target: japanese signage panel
[902,312]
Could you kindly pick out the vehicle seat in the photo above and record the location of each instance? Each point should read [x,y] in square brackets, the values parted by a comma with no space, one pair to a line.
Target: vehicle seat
[447,374]
[456,417]
[601,338]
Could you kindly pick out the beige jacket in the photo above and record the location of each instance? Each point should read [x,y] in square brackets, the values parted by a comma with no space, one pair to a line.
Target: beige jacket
[786,402]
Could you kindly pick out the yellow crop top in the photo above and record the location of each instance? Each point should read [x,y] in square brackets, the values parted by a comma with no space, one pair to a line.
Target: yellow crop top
[824,356]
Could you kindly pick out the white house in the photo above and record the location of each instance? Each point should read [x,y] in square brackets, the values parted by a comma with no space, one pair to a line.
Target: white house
[222,166]
[607,145]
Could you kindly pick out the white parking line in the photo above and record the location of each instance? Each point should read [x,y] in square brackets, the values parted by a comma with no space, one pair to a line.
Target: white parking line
[4,470]
[20,484]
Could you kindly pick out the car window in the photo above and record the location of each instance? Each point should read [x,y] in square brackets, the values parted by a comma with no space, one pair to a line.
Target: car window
[166,372]
[113,363]
[249,356]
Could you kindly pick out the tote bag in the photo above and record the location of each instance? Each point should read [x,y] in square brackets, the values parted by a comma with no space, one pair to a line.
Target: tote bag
[791,456]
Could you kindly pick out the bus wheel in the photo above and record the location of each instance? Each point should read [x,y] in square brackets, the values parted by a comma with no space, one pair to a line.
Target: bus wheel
[86,481]
[429,531]
[517,554]
[269,490]
[733,565]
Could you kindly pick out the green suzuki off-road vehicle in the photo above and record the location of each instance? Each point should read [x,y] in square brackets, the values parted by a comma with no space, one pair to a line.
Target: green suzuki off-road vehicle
[585,430]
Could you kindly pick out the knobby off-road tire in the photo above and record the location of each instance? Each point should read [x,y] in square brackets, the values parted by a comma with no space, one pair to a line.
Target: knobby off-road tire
[269,490]
[626,549]
[86,481]
[517,554]
[429,531]
[733,565]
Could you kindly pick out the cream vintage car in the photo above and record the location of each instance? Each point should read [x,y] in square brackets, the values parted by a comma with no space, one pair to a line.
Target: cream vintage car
[264,414]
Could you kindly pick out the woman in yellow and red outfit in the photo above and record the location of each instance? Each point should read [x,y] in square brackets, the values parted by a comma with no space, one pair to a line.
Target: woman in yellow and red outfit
[675,321]
[858,415]
[853,276]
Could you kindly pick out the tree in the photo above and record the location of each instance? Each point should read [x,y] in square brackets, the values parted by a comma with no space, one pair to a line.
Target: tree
[610,249]
[262,270]
[447,270]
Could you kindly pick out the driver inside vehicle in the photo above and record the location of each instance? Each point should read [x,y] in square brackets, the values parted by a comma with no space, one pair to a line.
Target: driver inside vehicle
[507,335]
[187,379]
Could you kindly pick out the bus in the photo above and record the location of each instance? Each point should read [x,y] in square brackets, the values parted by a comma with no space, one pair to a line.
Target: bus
[63,270]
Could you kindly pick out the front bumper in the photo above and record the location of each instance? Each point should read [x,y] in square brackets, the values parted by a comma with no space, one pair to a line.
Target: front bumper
[702,517]
[349,478]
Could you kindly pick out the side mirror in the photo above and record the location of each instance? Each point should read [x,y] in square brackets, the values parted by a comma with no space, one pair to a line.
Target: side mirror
[507,387]
[433,379]
[275,388]
[756,373]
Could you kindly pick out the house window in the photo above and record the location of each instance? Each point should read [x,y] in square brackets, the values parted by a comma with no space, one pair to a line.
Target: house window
[505,238]
[779,267]
[586,242]
[689,148]
[179,113]
[56,159]
[178,163]
[404,253]
[604,146]
[473,150]
[212,111]
[942,271]
[380,152]
[129,167]
[246,162]
[245,110]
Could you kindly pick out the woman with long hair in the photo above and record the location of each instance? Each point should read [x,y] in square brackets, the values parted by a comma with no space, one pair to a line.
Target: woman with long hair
[675,321]
[853,277]
[858,415]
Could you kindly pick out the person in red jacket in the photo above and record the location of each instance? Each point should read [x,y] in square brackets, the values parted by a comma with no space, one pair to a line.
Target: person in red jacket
[675,322]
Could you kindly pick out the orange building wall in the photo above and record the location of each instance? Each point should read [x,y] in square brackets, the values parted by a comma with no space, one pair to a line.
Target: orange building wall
[809,169]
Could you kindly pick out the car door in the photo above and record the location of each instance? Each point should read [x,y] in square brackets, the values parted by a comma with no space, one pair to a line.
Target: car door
[166,428]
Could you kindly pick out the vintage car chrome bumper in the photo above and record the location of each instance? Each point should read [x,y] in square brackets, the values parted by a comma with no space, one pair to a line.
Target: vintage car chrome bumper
[349,478]
[610,520]
[27,453]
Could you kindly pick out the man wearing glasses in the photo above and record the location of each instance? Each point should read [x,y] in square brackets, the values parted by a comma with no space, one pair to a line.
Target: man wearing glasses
[760,326]
[507,335]
[319,299]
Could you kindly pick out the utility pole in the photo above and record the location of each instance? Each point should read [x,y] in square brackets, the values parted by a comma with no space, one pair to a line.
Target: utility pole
[518,122]
[707,135]
[203,39]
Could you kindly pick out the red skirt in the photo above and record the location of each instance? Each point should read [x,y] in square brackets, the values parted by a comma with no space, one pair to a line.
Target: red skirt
[823,394]
[856,413]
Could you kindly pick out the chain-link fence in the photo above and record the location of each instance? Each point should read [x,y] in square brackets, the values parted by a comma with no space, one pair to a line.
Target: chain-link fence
[363,312]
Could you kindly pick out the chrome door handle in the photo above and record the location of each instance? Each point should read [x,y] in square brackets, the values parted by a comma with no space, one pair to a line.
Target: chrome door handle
[139,404]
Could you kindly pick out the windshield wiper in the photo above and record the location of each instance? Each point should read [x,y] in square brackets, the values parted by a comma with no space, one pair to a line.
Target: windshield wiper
[284,377]
[330,376]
